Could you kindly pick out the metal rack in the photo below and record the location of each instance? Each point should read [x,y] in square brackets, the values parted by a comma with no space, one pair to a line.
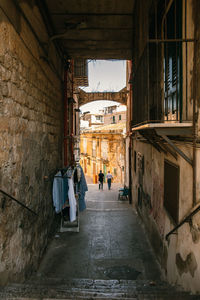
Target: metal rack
[66,226]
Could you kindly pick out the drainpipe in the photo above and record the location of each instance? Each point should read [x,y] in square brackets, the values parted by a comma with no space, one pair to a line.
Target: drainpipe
[72,117]
[195,118]
[66,67]
[130,136]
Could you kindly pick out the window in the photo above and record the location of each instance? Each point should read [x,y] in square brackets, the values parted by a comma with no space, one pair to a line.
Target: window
[171,189]
[115,171]
[120,117]
[173,62]
[99,118]
[113,119]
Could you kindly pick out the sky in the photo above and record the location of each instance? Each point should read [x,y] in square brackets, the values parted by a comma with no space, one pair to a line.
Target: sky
[104,76]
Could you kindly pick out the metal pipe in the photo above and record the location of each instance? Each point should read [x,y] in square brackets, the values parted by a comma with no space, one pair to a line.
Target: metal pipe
[72,114]
[194,124]
[65,115]
[186,62]
[130,139]
[166,86]
[187,219]
[148,84]
[18,202]
[178,93]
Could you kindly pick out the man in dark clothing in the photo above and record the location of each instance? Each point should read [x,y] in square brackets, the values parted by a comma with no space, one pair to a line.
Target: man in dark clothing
[101,177]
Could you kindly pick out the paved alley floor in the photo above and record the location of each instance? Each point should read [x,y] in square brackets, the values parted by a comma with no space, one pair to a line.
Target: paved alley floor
[111,243]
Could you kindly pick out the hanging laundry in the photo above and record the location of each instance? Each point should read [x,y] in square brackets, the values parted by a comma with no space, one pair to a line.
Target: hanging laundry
[72,200]
[66,183]
[71,196]
[82,188]
[60,191]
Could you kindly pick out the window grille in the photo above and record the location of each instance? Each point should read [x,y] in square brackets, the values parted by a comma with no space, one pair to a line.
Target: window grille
[160,76]
[81,72]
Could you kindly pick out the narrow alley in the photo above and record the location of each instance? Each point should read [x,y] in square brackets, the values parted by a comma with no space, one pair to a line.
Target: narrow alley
[147,141]
[105,260]
[104,248]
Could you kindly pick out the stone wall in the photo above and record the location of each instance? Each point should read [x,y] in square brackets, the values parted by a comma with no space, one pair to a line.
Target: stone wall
[31,130]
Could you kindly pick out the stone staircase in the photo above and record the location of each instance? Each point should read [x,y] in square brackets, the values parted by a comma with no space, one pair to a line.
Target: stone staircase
[53,288]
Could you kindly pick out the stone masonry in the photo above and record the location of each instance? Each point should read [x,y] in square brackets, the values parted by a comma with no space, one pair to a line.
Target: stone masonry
[31,118]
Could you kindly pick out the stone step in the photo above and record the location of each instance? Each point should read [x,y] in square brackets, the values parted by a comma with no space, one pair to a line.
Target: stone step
[55,288]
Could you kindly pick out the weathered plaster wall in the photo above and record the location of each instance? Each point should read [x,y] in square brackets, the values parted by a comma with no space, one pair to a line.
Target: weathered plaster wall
[179,256]
[30,142]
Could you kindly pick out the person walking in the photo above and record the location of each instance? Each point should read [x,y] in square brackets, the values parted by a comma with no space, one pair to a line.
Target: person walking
[101,178]
[109,179]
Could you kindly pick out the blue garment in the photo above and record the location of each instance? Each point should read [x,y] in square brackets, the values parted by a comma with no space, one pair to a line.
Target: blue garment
[60,191]
[65,188]
[82,186]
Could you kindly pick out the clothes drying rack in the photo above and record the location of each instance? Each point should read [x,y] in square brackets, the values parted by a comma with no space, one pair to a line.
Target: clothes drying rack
[66,225]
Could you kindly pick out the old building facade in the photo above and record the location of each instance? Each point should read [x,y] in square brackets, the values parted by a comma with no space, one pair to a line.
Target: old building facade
[115,114]
[164,133]
[103,148]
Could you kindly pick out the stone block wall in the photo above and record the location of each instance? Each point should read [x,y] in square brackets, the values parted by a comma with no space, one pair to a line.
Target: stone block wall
[31,137]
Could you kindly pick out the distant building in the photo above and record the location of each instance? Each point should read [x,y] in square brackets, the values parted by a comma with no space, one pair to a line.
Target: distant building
[92,119]
[115,114]
[108,115]
[103,148]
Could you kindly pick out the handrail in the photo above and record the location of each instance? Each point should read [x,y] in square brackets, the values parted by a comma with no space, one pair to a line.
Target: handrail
[18,202]
[186,219]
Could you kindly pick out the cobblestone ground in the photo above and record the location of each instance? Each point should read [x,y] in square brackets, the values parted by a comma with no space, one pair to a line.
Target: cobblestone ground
[111,243]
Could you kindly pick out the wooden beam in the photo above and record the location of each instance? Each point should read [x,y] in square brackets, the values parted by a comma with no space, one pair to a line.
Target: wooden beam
[90,14]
